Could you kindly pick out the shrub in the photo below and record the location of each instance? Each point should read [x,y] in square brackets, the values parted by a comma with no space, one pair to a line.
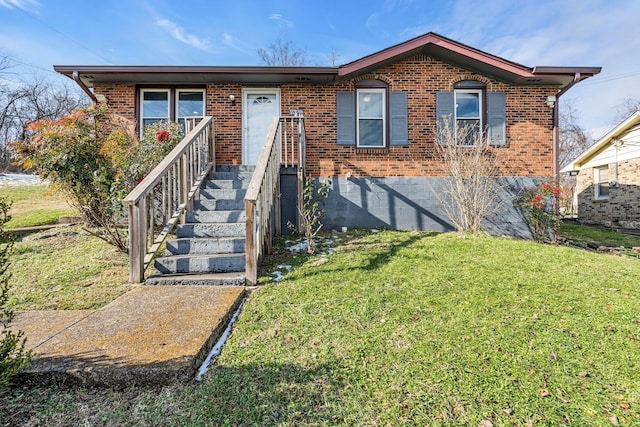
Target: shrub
[470,191]
[97,163]
[537,205]
[311,211]
[12,344]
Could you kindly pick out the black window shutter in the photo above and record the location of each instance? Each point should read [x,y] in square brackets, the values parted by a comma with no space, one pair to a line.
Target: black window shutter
[399,118]
[497,112]
[444,113]
[346,121]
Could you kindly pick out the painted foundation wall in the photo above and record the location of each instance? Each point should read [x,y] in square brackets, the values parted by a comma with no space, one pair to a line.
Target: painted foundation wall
[411,203]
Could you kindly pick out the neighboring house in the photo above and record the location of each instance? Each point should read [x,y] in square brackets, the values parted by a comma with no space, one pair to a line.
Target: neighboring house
[608,181]
[370,124]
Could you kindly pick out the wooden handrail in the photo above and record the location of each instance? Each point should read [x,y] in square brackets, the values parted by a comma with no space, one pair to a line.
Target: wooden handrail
[262,200]
[159,202]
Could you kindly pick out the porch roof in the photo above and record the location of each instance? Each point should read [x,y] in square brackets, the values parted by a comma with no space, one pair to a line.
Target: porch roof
[429,44]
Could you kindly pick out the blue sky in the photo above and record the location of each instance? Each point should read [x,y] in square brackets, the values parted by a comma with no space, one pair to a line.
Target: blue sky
[36,34]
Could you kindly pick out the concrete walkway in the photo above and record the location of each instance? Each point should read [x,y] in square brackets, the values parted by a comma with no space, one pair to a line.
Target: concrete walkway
[152,335]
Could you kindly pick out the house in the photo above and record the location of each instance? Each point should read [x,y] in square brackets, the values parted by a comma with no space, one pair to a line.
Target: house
[608,177]
[369,125]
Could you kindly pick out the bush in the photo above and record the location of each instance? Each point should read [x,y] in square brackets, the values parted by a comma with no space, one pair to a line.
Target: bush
[12,345]
[311,211]
[537,205]
[97,163]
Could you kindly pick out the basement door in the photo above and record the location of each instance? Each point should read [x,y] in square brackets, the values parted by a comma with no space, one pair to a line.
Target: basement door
[260,106]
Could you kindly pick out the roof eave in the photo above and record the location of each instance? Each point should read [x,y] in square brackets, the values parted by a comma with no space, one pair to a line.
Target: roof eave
[155,74]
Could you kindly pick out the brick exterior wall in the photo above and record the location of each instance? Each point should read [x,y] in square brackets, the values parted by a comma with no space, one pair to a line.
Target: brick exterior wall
[529,149]
[622,209]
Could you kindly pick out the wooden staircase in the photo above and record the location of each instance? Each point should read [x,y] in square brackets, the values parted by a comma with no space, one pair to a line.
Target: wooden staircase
[209,248]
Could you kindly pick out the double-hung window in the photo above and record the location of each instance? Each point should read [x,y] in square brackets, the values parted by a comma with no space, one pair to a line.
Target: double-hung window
[371,108]
[468,115]
[601,183]
[470,112]
[165,104]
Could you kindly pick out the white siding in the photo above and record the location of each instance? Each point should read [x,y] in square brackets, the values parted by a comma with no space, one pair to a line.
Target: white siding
[630,149]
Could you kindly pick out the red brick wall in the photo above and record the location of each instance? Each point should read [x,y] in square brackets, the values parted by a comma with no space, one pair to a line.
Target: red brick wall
[529,150]
[121,99]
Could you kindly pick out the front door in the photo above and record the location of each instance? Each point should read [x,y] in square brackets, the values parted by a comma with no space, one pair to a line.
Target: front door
[260,107]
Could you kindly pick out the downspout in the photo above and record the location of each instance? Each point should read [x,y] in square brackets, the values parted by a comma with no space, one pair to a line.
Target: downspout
[76,78]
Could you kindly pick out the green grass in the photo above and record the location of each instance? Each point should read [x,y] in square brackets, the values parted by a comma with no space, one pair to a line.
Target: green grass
[583,234]
[65,269]
[35,205]
[405,328]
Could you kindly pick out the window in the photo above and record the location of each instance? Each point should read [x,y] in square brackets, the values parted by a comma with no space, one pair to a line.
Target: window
[170,104]
[601,183]
[471,108]
[190,103]
[468,115]
[371,110]
[372,116]
[155,106]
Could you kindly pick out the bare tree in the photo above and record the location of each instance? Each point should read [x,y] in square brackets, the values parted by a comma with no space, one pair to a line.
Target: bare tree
[23,102]
[626,108]
[573,139]
[283,53]
[471,185]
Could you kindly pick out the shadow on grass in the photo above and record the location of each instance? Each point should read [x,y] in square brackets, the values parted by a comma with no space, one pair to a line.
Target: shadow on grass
[267,394]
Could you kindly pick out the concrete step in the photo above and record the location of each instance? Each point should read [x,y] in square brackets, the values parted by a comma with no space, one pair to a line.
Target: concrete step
[216,216]
[235,168]
[226,183]
[219,263]
[204,245]
[212,279]
[237,176]
[222,194]
[218,205]
[231,229]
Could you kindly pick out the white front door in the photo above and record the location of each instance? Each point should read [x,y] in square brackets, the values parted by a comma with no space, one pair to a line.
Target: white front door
[260,106]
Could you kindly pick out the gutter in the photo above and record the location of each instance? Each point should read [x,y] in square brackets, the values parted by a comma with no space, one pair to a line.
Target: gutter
[76,78]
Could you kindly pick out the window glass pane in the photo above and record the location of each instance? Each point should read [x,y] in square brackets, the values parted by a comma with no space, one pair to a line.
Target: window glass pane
[467,131]
[467,105]
[369,104]
[190,104]
[370,133]
[155,104]
[603,182]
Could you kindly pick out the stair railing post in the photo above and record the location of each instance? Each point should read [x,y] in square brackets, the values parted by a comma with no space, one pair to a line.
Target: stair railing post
[250,245]
[184,184]
[137,240]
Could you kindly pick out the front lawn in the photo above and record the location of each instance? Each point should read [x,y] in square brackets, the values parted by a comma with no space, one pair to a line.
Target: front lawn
[582,235]
[35,205]
[405,328]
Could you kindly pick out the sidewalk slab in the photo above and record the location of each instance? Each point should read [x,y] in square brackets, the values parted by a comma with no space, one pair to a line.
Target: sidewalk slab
[152,335]
[40,326]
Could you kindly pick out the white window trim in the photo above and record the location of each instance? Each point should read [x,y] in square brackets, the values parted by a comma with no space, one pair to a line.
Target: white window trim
[596,183]
[177,101]
[142,117]
[384,116]
[173,99]
[480,93]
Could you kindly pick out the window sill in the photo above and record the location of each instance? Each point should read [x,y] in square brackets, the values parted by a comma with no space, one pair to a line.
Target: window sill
[600,199]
